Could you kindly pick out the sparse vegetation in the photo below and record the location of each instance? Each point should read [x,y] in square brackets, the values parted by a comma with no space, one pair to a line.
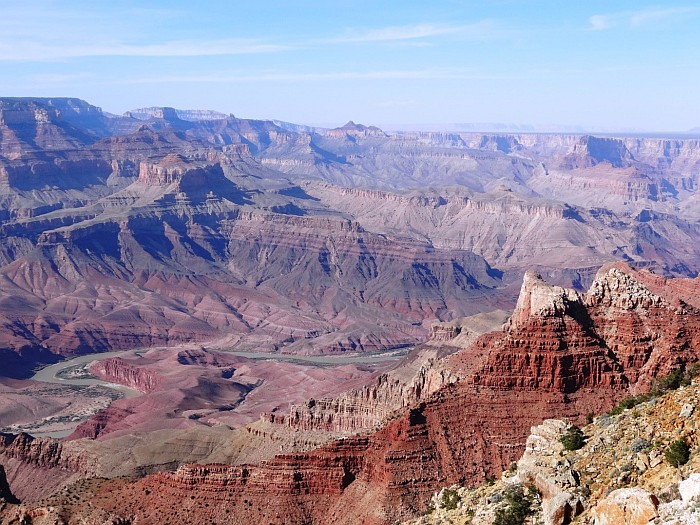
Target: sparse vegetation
[673,381]
[449,500]
[517,507]
[573,439]
[678,453]
[670,382]
[631,402]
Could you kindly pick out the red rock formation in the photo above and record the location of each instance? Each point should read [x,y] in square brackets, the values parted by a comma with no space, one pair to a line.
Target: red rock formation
[102,421]
[116,370]
[36,467]
[564,354]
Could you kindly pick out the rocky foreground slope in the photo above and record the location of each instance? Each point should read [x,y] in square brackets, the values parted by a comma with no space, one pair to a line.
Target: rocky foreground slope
[622,474]
[563,354]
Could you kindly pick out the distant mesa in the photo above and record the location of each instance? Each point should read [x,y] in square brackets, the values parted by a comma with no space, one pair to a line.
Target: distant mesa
[167,113]
[590,151]
[352,129]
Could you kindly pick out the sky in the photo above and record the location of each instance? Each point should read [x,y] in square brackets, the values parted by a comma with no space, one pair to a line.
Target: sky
[597,65]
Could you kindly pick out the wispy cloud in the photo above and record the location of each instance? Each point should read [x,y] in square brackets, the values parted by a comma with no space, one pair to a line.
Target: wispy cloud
[650,17]
[388,34]
[390,74]
[31,51]
[17,47]
[477,30]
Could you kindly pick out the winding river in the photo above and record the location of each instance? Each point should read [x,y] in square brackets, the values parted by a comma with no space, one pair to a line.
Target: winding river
[50,374]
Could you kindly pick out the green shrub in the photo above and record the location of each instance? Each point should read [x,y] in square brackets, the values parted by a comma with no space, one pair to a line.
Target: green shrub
[516,509]
[573,439]
[670,382]
[677,453]
[676,379]
[633,401]
[449,499]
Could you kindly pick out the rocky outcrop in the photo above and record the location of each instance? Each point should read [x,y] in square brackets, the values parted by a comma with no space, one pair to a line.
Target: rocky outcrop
[616,334]
[355,130]
[630,506]
[551,362]
[556,482]
[443,332]
[175,169]
[116,370]
[540,299]
[369,407]
[38,452]
[98,423]
[35,467]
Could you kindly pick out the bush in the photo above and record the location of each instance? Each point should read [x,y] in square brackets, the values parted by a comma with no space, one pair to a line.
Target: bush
[573,439]
[670,382]
[449,499]
[633,401]
[676,379]
[517,507]
[677,453]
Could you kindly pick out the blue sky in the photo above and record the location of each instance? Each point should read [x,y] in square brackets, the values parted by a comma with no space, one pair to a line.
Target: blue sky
[599,65]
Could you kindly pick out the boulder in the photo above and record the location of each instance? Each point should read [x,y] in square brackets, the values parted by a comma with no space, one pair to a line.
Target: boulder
[633,506]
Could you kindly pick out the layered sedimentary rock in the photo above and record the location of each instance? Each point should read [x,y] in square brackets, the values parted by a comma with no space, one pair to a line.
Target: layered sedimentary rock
[259,210]
[593,150]
[36,467]
[560,356]
[118,371]
[369,407]
[165,229]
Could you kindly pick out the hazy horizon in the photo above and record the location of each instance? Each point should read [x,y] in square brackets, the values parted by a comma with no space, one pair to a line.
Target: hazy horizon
[593,67]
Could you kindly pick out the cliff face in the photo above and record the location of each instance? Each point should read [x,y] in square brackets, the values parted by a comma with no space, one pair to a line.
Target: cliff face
[317,241]
[619,475]
[5,492]
[36,467]
[619,328]
[345,216]
[593,150]
[116,370]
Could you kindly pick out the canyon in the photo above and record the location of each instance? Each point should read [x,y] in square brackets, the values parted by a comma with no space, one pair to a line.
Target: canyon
[188,239]
[562,353]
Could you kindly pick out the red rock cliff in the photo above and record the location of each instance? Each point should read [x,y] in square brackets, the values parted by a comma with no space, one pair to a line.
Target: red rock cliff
[116,370]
